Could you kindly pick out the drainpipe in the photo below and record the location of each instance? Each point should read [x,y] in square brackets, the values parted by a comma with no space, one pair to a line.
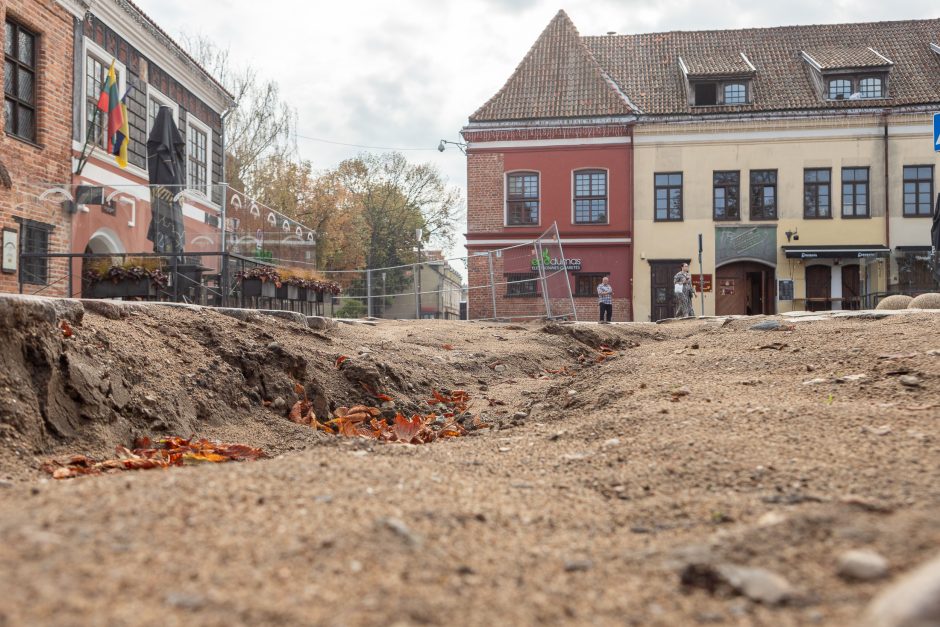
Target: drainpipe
[630,197]
[884,121]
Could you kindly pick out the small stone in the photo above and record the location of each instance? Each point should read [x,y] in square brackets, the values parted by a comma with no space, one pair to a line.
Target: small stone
[499,368]
[612,442]
[504,449]
[770,519]
[862,565]
[757,584]
[882,430]
[574,566]
[399,528]
[5,484]
[850,378]
[912,601]
[910,380]
[279,403]
[520,415]
[766,325]
[695,346]
[815,381]
[572,392]
[185,600]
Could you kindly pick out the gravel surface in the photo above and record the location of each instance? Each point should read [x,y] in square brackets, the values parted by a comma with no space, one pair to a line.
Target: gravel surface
[700,473]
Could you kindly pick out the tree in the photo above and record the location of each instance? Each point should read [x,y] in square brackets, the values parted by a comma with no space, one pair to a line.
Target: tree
[259,126]
[397,198]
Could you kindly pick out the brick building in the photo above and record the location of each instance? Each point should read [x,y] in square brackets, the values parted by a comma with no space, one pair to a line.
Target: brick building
[35,146]
[802,155]
[154,71]
[550,149]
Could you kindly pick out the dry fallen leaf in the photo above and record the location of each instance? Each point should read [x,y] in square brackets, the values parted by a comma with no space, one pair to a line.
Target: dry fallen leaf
[66,329]
[447,347]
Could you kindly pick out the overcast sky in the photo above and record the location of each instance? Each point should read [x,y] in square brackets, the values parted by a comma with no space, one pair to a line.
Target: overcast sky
[407,73]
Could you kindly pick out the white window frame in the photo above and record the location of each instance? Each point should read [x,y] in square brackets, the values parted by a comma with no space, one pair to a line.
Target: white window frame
[506,197]
[194,122]
[158,96]
[91,49]
[573,195]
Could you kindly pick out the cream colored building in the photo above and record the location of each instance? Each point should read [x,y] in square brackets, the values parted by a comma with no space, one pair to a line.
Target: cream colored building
[843,249]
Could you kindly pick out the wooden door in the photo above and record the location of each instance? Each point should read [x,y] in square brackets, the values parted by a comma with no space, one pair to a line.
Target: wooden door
[818,288]
[851,296]
[662,297]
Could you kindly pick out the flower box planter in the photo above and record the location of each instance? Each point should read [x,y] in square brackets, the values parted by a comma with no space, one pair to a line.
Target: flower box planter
[254,288]
[142,288]
[287,292]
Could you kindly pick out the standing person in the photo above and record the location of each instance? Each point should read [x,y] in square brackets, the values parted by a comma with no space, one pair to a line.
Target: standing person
[604,293]
[684,291]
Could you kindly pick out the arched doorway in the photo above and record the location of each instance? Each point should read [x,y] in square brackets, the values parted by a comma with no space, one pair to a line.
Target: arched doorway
[745,288]
[104,242]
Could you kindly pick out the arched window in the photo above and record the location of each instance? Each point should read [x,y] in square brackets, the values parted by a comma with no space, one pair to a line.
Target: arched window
[522,198]
[735,93]
[870,88]
[840,89]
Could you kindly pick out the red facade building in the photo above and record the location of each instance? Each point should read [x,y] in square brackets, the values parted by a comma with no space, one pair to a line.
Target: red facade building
[547,151]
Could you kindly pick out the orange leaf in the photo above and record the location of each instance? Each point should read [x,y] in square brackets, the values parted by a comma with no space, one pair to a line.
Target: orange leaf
[66,329]
[340,360]
[447,347]
[384,397]
[299,389]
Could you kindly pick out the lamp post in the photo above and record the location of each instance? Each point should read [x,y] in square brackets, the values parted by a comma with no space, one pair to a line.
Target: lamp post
[417,277]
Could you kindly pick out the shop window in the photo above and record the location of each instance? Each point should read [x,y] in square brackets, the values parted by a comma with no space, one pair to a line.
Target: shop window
[586,284]
[522,284]
[35,240]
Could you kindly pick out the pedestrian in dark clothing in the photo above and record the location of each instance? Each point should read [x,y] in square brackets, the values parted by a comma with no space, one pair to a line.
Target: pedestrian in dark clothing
[684,291]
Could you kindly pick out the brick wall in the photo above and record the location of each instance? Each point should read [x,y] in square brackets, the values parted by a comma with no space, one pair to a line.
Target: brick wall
[480,297]
[49,159]
[484,192]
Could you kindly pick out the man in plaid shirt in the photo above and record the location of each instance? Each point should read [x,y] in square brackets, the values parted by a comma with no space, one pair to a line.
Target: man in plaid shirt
[604,294]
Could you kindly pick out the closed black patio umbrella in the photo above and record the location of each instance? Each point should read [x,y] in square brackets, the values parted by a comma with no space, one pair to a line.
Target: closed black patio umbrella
[166,154]
[935,229]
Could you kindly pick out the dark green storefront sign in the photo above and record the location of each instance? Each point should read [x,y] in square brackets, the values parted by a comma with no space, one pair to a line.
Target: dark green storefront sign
[733,243]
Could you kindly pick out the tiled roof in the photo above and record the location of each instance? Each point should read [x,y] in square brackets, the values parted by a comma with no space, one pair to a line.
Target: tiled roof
[836,58]
[179,49]
[557,78]
[716,65]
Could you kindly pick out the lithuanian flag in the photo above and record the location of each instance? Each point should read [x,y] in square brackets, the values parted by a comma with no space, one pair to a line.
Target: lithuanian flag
[121,137]
[109,103]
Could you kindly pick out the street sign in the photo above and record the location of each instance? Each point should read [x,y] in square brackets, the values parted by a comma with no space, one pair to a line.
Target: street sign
[936,132]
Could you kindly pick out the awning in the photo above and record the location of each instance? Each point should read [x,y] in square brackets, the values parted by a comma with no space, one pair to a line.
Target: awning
[913,249]
[838,251]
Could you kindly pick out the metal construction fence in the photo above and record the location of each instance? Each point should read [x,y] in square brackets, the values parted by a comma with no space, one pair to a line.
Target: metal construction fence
[528,280]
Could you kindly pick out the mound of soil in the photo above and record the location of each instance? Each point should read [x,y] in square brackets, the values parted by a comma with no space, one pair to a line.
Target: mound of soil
[696,472]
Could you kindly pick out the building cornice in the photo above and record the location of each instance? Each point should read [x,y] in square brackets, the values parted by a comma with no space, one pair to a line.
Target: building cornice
[128,21]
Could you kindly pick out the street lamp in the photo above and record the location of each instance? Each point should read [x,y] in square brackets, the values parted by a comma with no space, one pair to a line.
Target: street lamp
[460,146]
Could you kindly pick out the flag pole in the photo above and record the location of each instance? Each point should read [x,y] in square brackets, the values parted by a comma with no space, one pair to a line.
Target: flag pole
[83,159]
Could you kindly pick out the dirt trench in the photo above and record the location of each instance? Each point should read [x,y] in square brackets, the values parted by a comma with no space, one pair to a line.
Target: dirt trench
[120,373]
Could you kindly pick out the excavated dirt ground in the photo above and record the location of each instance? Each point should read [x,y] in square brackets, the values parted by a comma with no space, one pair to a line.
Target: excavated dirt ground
[696,439]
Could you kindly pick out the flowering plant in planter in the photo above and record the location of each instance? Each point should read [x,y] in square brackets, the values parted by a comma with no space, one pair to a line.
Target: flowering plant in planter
[265,274]
[310,281]
[130,270]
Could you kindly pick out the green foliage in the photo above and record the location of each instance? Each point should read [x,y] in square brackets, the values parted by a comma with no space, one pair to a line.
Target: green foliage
[352,308]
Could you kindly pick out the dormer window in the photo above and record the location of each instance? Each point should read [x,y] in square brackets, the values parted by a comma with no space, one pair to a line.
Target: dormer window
[870,88]
[735,93]
[723,80]
[849,73]
[840,89]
